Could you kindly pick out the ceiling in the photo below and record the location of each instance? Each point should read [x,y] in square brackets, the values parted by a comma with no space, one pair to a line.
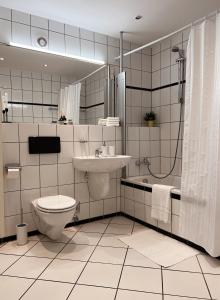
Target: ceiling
[110,16]
[28,60]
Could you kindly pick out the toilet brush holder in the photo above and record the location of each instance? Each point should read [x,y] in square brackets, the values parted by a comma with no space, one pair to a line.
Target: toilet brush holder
[21,230]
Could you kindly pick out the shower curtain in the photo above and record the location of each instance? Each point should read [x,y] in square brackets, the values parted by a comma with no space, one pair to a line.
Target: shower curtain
[69,105]
[200,186]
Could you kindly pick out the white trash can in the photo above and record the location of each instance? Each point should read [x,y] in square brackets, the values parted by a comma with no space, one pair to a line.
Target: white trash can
[21,230]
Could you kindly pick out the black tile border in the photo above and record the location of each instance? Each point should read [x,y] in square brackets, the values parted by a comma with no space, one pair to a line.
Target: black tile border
[50,105]
[154,89]
[32,103]
[169,234]
[35,232]
[146,188]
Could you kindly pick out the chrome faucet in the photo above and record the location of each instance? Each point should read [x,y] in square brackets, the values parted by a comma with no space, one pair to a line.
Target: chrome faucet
[98,152]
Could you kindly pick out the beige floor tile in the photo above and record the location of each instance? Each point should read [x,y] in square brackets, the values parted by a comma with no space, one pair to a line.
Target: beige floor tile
[48,290]
[121,220]
[141,279]
[13,248]
[112,240]
[82,292]
[184,284]
[45,249]
[209,264]
[131,295]
[213,282]
[135,258]
[65,237]
[63,270]
[169,297]
[108,255]
[86,238]
[101,275]
[190,264]
[76,252]
[94,227]
[29,267]
[12,288]
[6,261]
[119,229]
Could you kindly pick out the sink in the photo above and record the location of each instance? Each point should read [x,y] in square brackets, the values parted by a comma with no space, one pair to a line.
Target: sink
[99,169]
[100,164]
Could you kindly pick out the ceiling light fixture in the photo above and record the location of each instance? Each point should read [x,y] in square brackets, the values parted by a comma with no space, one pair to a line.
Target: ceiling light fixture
[45,65]
[138,17]
[2,58]
[81,58]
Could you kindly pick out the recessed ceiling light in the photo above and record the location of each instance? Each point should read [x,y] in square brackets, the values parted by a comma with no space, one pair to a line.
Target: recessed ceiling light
[45,65]
[138,17]
[2,58]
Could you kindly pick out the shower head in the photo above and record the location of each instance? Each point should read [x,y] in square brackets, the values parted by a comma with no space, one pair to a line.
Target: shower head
[180,51]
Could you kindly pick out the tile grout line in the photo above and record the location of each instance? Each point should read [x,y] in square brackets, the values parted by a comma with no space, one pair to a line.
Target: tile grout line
[20,256]
[35,279]
[204,277]
[88,260]
[123,264]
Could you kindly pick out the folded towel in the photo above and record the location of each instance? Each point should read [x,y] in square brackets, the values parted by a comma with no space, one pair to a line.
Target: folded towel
[161,202]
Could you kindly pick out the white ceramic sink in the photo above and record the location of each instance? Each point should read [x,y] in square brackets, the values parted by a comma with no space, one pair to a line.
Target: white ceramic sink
[100,164]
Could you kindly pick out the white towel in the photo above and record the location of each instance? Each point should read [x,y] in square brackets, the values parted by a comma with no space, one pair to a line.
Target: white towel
[161,202]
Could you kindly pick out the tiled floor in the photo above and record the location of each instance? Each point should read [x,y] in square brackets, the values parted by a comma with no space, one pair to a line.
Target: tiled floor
[89,262]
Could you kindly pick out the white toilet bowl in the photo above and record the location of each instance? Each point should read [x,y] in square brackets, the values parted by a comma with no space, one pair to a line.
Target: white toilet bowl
[52,213]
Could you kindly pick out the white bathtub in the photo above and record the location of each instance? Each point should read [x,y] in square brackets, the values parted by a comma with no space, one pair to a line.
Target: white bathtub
[148,181]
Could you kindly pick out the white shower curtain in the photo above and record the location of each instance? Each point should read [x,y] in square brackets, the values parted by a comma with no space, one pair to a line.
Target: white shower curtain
[200,186]
[69,105]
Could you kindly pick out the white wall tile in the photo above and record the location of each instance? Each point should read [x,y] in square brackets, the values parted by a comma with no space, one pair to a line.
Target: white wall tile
[20,17]
[39,22]
[65,174]
[10,132]
[86,34]
[71,30]
[12,203]
[21,34]
[5,13]
[56,26]
[30,177]
[87,49]
[72,45]
[48,175]
[5,33]
[56,42]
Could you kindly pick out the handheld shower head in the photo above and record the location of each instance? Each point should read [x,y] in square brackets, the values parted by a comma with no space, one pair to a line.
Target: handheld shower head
[180,51]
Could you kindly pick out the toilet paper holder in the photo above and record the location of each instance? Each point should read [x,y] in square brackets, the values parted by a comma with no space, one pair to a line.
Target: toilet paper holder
[12,167]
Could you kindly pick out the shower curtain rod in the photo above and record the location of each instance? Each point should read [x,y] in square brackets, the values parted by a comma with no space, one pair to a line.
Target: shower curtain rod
[87,76]
[168,35]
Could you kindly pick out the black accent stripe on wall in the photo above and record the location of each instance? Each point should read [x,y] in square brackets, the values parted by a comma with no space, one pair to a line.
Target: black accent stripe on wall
[50,105]
[146,188]
[94,105]
[137,88]
[154,89]
[32,103]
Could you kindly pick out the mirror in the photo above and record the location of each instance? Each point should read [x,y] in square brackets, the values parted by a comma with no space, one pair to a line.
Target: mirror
[37,87]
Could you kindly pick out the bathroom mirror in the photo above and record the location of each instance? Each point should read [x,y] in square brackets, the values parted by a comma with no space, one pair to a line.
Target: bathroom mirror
[37,86]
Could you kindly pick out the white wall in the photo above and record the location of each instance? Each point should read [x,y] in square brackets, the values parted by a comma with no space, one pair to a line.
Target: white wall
[52,174]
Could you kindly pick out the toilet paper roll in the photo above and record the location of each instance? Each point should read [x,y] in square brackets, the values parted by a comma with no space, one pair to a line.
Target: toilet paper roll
[13,173]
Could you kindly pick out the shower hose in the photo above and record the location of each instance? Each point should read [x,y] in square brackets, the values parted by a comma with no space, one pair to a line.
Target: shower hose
[177,144]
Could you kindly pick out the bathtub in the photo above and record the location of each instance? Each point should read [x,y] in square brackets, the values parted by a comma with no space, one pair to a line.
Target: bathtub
[136,200]
[147,181]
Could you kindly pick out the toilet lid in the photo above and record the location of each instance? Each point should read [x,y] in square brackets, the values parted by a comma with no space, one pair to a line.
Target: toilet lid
[55,203]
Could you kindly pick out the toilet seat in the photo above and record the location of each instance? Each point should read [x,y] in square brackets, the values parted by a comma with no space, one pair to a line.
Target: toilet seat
[55,204]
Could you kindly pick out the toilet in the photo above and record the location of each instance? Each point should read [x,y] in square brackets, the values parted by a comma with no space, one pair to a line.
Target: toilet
[52,213]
